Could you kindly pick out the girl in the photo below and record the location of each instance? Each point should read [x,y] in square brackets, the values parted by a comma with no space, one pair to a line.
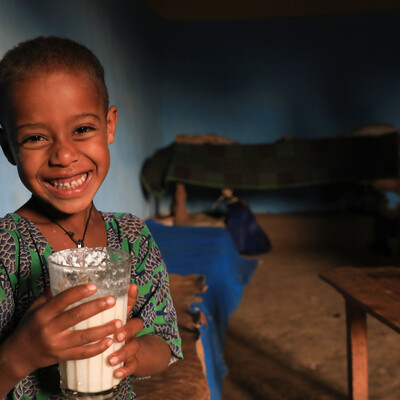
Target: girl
[56,128]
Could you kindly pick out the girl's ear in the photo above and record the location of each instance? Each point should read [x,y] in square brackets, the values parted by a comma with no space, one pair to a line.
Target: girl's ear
[5,145]
[112,117]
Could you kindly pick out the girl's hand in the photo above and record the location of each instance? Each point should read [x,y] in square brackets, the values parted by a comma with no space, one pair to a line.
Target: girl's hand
[43,336]
[142,356]
[127,353]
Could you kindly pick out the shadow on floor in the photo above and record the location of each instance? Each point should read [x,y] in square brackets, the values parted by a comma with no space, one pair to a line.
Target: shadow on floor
[268,375]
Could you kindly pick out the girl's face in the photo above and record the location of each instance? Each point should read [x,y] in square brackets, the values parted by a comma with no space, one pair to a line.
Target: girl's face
[58,137]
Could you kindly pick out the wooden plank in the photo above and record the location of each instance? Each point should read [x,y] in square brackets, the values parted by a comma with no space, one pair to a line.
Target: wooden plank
[365,288]
[357,357]
[185,379]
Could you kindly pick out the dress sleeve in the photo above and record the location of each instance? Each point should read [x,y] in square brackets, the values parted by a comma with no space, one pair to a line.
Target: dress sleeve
[7,273]
[154,305]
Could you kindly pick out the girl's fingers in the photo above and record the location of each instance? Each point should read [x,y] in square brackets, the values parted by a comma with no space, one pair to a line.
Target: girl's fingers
[127,355]
[91,335]
[47,308]
[40,301]
[57,304]
[82,312]
[87,351]
[132,296]
[132,327]
[127,370]
[58,314]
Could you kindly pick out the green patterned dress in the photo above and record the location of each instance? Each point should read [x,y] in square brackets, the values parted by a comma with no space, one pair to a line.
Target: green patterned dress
[24,277]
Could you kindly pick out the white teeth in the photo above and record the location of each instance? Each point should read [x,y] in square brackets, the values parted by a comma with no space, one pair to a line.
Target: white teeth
[68,185]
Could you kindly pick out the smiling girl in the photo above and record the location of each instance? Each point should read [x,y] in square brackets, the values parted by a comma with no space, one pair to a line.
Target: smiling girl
[56,128]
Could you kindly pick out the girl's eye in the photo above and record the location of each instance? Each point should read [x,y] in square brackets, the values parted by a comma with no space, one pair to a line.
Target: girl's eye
[33,139]
[83,129]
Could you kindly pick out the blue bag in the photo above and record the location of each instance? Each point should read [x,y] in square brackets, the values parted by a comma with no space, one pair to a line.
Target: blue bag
[247,234]
[241,223]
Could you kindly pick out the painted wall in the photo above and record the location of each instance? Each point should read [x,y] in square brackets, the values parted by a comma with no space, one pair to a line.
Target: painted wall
[252,81]
[259,80]
[125,37]
[256,81]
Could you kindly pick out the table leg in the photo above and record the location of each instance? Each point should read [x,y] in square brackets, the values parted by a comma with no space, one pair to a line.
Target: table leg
[357,357]
[181,215]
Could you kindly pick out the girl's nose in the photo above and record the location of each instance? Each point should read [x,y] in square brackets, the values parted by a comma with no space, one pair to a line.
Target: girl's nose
[63,153]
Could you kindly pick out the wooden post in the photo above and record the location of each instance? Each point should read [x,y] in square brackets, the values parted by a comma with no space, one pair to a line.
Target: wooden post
[357,353]
[181,215]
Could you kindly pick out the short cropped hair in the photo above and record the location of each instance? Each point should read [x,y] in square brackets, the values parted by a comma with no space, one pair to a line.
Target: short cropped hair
[49,54]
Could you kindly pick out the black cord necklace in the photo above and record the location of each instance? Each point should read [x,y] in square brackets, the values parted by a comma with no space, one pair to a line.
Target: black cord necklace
[79,243]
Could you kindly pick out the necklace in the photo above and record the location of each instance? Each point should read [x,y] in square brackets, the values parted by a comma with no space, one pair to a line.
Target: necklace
[79,243]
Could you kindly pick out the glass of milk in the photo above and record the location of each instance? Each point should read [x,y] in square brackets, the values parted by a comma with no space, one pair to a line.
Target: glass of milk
[110,270]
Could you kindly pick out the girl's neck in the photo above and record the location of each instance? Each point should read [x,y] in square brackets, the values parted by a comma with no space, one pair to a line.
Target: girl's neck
[42,213]
[48,220]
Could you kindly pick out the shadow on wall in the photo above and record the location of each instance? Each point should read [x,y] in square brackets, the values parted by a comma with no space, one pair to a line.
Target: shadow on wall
[255,81]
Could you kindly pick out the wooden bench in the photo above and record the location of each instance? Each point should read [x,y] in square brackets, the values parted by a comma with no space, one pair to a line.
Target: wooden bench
[185,379]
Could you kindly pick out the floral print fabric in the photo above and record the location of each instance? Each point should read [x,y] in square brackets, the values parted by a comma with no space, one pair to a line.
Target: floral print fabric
[24,277]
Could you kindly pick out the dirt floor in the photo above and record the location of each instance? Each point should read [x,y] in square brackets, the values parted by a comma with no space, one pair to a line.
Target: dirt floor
[287,339]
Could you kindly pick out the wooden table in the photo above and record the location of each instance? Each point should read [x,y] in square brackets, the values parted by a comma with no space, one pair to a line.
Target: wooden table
[375,291]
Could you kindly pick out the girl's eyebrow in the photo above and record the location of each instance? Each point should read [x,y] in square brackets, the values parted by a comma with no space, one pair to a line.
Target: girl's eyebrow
[30,125]
[80,116]
[34,125]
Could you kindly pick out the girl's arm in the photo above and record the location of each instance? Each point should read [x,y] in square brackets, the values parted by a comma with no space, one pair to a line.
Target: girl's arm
[8,370]
[153,356]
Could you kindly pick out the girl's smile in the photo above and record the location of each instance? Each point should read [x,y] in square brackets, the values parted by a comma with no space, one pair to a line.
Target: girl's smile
[69,186]
[68,183]
[58,135]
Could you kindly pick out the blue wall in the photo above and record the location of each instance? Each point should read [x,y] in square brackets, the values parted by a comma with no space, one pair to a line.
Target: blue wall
[125,37]
[256,81]
[252,81]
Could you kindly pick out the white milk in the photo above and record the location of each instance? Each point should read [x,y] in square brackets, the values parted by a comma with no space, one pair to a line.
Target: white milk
[94,375]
